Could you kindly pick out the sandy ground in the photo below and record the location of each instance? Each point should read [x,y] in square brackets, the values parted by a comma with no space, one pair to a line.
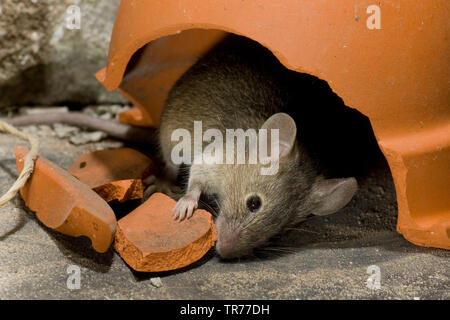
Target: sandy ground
[326,258]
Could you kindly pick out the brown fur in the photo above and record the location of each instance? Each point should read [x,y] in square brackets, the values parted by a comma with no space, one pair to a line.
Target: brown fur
[239,85]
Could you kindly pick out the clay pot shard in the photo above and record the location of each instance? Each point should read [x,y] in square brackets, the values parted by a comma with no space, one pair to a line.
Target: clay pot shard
[65,204]
[114,174]
[150,240]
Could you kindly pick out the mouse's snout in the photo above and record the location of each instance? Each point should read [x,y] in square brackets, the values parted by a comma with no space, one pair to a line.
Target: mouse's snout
[228,238]
[226,249]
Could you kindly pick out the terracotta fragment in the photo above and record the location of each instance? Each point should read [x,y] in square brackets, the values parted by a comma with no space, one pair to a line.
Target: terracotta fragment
[150,240]
[114,174]
[63,203]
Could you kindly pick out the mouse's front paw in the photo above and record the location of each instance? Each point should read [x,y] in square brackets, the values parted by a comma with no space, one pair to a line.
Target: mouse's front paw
[185,207]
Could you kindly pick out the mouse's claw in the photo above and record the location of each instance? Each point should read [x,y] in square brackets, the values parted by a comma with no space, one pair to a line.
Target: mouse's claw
[185,207]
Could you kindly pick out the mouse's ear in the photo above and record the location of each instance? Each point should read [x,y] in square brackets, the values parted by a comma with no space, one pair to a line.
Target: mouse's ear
[331,195]
[287,132]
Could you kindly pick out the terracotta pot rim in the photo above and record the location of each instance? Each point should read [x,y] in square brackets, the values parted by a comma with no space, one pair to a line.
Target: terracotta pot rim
[111,76]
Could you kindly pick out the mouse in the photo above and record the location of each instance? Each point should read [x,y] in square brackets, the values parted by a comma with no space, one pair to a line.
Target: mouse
[239,84]
[242,85]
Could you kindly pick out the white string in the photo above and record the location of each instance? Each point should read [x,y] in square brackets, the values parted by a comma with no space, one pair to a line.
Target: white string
[28,162]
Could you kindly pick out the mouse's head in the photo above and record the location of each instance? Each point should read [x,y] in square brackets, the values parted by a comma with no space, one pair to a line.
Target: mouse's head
[255,207]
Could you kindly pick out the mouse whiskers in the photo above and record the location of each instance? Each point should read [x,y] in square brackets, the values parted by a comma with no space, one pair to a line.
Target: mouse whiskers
[280,249]
[300,229]
[210,208]
[272,251]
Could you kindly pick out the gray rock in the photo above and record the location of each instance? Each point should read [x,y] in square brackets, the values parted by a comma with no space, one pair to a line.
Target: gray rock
[87,137]
[156,282]
[42,61]
[65,131]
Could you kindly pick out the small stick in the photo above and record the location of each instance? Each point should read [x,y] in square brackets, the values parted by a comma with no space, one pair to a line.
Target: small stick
[113,129]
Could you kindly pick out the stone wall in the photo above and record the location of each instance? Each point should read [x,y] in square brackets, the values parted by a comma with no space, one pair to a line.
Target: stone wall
[46,60]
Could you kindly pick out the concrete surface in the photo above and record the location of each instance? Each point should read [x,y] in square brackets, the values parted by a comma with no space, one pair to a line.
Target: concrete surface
[45,59]
[326,258]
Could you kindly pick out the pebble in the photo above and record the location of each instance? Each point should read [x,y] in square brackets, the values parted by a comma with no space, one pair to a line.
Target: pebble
[156,282]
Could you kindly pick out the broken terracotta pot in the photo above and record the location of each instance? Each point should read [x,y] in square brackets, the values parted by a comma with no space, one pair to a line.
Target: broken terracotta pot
[114,174]
[65,204]
[394,74]
[149,239]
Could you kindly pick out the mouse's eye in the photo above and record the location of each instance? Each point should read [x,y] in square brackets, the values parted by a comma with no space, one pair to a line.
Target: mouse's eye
[253,203]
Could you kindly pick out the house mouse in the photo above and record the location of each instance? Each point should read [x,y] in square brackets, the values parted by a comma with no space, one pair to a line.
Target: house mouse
[241,85]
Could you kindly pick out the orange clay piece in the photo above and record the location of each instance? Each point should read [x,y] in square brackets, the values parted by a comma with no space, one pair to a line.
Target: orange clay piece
[394,74]
[65,204]
[114,174]
[150,240]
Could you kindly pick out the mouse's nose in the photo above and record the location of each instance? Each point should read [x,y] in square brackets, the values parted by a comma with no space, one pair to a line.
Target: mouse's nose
[227,244]
[225,250]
